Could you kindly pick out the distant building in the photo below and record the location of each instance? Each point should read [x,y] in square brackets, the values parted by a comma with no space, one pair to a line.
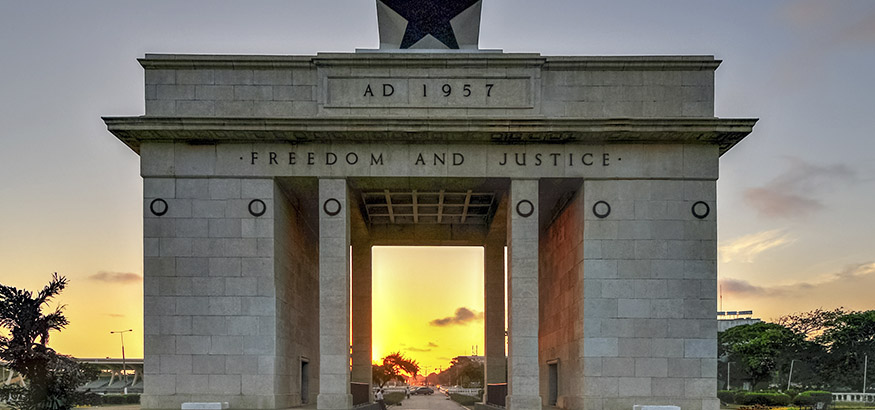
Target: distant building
[480,359]
[728,320]
[112,379]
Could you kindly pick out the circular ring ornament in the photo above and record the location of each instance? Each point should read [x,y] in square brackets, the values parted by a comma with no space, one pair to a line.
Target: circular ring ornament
[158,207]
[601,209]
[525,208]
[701,210]
[332,207]
[257,207]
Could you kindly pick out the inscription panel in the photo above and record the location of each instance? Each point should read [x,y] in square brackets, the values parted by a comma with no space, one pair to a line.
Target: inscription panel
[429,92]
[350,160]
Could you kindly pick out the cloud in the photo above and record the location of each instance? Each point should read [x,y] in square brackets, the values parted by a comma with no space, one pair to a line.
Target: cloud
[822,29]
[856,271]
[431,346]
[122,278]
[833,23]
[463,316]
[743,288]
[114,315]
[748,247]
[797,191]
[805,14]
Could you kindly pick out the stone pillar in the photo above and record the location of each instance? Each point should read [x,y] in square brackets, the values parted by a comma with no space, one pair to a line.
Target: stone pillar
[496,366]
[210,297]
[361,311]
[494,292]
[334,241]
[523,383]
[650,279]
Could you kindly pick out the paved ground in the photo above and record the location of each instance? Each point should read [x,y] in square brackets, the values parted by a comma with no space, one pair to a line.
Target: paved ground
[437,401]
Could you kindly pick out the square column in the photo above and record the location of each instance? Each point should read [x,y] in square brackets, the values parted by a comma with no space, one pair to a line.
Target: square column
[361,313]
[523,383]
[494,294]
[650,292]
[496,365]
[334,241]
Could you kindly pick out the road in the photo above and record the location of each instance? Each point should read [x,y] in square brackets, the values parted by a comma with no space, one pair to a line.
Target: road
[437,401]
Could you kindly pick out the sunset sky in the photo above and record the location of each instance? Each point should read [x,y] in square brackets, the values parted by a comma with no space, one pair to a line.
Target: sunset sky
[796,197]
[428,303]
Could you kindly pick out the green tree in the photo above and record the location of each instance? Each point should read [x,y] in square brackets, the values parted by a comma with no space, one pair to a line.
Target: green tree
[848,339]
[812,323]
[762,350]
[463,371]
[51,378]
[393,367]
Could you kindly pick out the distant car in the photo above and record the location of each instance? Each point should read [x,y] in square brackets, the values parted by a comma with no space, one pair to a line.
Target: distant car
[428,391]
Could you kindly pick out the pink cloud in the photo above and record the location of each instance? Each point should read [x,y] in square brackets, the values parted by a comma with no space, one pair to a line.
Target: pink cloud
[122,278]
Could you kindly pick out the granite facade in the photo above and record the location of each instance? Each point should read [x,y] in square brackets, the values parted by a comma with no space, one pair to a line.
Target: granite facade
[223,310]
[255,310]
[527,85]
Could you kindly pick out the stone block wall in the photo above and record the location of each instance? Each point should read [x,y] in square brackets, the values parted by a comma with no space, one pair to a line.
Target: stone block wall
[573,90]
[561,310]
[650,280]
[211,290]
[217,90]
[297,302]
[333,85]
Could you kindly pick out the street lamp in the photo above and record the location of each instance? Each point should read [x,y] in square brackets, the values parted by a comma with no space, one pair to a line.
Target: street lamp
[865,370]
[124,365]
[791,373]
[728,365]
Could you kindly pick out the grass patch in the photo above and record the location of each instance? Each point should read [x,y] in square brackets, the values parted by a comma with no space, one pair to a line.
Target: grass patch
[834,406]
[851,406]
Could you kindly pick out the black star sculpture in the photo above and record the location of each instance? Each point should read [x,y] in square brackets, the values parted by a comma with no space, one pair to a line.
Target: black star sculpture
[426,17]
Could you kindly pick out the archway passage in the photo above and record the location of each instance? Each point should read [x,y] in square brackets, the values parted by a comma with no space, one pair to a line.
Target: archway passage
[427,270]
[428,304]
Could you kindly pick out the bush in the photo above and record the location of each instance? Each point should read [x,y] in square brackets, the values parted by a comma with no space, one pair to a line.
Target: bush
[393,398]
[464,400]
[116,399]
[812,397]
[726,396]
[763,398]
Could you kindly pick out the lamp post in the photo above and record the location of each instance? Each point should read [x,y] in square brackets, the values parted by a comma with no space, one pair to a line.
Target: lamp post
[865,369]
[791,373]
[728,365]
[124,365]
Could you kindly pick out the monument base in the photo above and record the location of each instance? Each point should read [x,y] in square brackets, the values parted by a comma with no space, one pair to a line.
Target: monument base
[519,402]
[327,401]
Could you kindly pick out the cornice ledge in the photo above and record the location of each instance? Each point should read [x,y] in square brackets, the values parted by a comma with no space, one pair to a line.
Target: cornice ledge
[634,63]
[723,132]
[193,61]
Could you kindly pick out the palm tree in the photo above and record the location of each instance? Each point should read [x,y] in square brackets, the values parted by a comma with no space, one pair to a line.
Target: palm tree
[51,378]
[392,368]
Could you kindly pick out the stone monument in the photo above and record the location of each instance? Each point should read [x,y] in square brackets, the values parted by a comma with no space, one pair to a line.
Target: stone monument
[598,174]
